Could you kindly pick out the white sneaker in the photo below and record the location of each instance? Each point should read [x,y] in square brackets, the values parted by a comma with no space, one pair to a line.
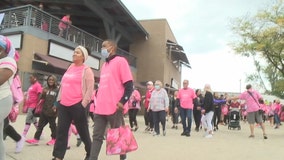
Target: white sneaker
[41,136]
[209,136]
[20,144]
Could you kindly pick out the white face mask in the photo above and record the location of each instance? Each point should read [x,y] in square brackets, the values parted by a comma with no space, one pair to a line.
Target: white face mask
[105,53]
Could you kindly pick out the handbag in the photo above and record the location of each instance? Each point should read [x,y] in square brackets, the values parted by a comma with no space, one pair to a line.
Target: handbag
[14,112]
[38,108]
[120,140]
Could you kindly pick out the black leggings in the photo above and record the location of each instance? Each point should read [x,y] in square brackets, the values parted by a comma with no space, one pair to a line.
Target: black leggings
[197,117]
[67,114]
[10,131]
[217,117]
[132,117]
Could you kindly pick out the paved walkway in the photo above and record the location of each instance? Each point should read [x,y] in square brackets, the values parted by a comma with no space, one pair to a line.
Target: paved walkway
[226,144]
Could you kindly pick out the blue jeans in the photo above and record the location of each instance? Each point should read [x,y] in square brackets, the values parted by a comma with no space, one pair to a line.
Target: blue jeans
[186,114]
[276,119]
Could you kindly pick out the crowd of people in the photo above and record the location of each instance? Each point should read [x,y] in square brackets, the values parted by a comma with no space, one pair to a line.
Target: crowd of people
[70,103]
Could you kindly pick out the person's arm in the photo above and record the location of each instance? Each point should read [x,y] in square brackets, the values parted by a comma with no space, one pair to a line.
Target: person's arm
[128,89]
[5,74]
[89,84]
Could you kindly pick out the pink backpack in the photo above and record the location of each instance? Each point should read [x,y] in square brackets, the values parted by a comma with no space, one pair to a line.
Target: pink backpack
[18,96]
[16,88]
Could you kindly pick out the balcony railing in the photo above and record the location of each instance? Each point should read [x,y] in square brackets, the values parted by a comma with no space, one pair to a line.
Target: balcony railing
[29,15]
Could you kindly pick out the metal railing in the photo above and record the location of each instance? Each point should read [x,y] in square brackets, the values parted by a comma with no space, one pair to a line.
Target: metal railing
[29,15]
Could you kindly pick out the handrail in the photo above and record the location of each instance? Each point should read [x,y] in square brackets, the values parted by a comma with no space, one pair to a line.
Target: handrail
[32,16]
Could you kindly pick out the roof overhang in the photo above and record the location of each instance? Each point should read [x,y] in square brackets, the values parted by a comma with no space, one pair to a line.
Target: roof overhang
[52,65]
[177,53]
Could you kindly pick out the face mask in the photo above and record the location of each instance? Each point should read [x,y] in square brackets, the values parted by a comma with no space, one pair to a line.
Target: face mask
[105,53]
[157,87]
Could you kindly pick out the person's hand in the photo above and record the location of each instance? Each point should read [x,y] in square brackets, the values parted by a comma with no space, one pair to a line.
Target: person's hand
[119,106]
[148,109]
[54,109]
[176,110]
[167,109]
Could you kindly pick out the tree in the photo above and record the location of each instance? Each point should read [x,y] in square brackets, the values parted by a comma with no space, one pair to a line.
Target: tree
[262,37]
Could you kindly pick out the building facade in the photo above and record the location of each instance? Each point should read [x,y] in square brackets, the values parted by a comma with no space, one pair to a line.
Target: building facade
[152,50]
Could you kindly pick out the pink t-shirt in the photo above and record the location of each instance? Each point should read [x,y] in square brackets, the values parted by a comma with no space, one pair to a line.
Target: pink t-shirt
[113,75]
[135,96]
[71,86]
[252,105]
[33,92]
[186,97]
[63,22]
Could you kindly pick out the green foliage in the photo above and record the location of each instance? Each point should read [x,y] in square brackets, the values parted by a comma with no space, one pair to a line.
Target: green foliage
[262,37]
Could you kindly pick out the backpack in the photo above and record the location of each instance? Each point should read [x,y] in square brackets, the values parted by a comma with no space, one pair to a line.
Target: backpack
[16,89]
[18,96]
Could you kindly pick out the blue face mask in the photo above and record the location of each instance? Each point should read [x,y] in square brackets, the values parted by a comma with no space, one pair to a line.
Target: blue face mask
[157,87]
[105,53]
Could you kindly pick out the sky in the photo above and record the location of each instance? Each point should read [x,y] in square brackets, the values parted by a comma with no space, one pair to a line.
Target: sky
[202,27]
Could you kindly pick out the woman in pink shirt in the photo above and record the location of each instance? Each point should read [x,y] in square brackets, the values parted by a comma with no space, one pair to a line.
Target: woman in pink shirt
[133,108]
[75,93]
[64,24]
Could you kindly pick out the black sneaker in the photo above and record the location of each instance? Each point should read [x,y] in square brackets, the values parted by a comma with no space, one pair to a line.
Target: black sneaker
[187,134]
[183,134]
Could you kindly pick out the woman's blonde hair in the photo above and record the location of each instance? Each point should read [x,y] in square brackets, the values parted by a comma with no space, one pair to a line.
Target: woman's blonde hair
[159,82]
[207,87]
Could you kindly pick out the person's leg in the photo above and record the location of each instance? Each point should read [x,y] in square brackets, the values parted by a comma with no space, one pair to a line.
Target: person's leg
[162,116]
[100,123]
[259,120]
[151,120]
[183,120]
[5,108]
[135,111]
[131,117]
[29,120]
[146,118]
[214,119]
[156,123]
[208,120]
[79,116]
[251,116]
[189,120]
[64,121]
[52,126]
[10,131]
[218,117]
[41,124]
[198,119]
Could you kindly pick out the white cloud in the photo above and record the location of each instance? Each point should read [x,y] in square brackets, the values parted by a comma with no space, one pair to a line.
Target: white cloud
[202,28]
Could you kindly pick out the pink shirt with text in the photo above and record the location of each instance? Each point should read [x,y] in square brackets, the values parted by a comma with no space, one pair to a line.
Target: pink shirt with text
[33,93]
[186,97]
[252,105]
[113,75]
[71,86]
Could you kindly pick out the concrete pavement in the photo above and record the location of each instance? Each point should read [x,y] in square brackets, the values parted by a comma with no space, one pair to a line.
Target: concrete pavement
[225,144]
